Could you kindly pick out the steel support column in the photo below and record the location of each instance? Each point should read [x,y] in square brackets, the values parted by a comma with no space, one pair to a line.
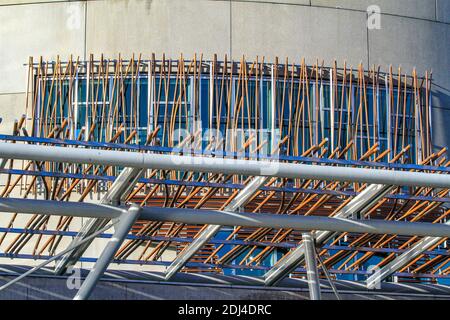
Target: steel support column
[311,266]
[240,200]
[121,229]
[360,204]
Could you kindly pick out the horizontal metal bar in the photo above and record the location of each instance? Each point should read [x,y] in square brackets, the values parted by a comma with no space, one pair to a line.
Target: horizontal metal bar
[223,165]
[195,216]
[235,242]
[226,154]
[296,222]
[345,193]
[229,266]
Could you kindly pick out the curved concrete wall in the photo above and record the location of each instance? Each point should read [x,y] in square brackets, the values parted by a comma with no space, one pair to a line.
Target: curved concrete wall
[414,33]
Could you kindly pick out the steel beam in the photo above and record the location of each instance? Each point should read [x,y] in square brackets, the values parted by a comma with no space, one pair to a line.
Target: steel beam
[121,229]
[296,222]
[59,208]
[121,187]
[360,204]
[240,200]
[231,186]
[311,266]
[402,260]
[223,165]
[260,220]
[216,153]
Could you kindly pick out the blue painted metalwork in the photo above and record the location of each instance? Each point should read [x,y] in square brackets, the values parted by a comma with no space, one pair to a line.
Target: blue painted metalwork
[137,147]
[285,245]
[230,266]
[345,193]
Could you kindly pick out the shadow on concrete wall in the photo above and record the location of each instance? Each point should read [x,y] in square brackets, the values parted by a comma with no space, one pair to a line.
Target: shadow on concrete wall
[440,114]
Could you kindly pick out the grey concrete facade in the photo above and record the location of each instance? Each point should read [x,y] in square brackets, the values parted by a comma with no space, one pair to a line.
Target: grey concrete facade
[414,33]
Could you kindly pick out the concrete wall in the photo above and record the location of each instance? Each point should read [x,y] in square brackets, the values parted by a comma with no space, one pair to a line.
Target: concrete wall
[414,33]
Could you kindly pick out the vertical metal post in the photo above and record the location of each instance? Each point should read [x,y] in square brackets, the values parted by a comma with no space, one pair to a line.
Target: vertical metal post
[331,110]
[150,121]
[123,226]
[388,116]
[272,108]
[311,266]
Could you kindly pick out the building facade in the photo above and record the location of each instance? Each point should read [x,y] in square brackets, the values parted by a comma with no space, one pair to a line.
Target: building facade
[412,34]
[345,81]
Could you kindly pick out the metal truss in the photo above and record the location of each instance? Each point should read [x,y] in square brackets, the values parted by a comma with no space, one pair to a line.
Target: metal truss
[125,218]
[119,190]
[312,273]
[338,174]
[402,260]
[350,218]
[359,205]
[203,237]
[122,228]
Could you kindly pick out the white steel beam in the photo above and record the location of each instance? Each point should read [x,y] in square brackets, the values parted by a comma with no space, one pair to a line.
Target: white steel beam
[3,163]
[223,165]
[240,200]
[360,204]
[260,220]
[121,229]
[402,260]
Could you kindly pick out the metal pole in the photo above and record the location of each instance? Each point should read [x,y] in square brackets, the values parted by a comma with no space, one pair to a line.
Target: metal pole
[311,267]
[223,165]
[195,216]
[296,222]
[327,274]
[60,208]
[3,163]
[123,226]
